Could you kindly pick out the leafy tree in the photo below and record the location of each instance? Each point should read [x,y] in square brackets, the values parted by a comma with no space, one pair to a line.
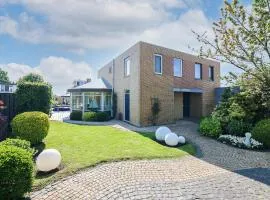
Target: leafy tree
[241,39]
[3,76]
[32,77]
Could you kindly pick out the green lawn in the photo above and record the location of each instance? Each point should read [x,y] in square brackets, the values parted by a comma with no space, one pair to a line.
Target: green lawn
[84,146]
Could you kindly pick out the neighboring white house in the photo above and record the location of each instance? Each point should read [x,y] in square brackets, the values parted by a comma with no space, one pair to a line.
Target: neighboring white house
[7,87]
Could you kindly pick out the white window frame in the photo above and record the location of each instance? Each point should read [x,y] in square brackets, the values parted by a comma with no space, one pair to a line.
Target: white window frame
[125,66]
[181,68]
[161,67]
[201,71]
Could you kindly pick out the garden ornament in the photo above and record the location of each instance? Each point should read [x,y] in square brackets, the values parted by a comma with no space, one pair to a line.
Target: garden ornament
[181,139]
[171,139]
[247,139]
[161,132]
[48,160]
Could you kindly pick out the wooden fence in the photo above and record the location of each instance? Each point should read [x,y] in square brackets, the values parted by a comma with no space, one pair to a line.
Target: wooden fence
[8,112]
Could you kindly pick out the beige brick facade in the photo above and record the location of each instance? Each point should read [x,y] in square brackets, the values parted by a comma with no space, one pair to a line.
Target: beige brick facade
[144,84]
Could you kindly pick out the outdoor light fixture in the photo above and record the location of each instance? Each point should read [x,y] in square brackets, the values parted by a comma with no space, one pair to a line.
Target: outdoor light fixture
[161,132]
[171,139]
[48,160]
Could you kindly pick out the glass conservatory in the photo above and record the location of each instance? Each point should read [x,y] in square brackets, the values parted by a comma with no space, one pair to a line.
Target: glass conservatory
[93,96]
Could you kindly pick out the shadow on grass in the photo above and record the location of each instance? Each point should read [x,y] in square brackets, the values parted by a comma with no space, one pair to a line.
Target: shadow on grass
[188,148]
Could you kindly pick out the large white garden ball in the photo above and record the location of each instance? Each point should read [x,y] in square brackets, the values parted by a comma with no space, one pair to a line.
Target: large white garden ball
[171,139]
[161,132]
[48,160]
[181,140]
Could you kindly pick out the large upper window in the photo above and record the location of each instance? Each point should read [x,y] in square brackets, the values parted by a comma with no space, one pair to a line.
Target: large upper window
[211,73]
[177,67]
[198,71]
[127,66]
[158,63]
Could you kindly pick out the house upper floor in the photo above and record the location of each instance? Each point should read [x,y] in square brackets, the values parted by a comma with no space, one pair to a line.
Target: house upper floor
[7,87]
[158,63]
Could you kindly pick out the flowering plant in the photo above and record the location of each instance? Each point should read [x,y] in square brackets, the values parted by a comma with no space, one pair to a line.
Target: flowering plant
[239,142]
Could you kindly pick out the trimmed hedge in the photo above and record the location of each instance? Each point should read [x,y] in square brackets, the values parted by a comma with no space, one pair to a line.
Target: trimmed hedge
[76,115]
[33,96]
[18,143]
[210,127]
[16,172]
[261,132]
[31,126]
[95,116]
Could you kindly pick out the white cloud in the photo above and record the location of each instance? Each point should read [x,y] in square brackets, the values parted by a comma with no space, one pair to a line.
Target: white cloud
[58,71]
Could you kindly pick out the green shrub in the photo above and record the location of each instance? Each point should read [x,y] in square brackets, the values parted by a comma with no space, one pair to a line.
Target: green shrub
[33,96]
[261,132]
[210,127]
[16,172]
[238,128]
[31,126]
[102,116]
[95,116]
[18,143]
[89,116]
[76,115]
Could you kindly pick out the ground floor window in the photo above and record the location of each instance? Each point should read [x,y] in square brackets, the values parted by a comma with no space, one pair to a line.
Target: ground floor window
[77,101]
[91,101]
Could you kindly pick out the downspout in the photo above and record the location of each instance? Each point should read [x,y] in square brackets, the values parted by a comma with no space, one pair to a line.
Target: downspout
[113,65]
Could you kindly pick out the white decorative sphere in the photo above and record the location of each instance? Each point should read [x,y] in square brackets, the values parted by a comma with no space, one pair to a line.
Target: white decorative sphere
[161,132]
[48,160]
[171,139]
[181,140]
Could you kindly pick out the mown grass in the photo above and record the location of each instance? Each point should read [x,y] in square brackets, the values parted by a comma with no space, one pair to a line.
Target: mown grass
[85,146]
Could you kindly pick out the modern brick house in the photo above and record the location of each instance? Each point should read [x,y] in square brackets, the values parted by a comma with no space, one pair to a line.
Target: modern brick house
[183,84]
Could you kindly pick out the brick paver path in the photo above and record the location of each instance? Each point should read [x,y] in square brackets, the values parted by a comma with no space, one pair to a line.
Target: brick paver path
[212,176]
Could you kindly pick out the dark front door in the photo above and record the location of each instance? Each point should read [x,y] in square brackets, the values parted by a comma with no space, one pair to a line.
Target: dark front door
[186,104]
[127,106]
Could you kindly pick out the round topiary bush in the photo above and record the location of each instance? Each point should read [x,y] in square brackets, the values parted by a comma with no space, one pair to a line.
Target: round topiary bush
[76,115]
[16,172]
[18,143]
[102,116]
[31,126]
[261,132]
[238,128]
[210,127]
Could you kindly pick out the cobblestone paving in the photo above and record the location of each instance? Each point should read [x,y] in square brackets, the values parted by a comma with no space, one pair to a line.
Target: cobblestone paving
[186,178]
[209,177]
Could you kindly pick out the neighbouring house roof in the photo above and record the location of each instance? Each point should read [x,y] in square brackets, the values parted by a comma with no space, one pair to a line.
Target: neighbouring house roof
[191,90]
[95,85]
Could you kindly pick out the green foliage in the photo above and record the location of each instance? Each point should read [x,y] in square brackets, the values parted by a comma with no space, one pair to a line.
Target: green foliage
[31,126]
[76,115]
[33,97]
[16,172]
[26,145]
[210,127]
[261,132]
[3,76]
[238,128]
[31,77]
[95,116]
[155,109]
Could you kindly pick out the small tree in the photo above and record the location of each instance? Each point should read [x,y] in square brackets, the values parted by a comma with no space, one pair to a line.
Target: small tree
[242,39]
[3,76]
[32,77]
[155,109]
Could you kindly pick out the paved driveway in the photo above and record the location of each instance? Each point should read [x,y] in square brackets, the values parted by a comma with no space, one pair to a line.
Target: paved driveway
[216,174]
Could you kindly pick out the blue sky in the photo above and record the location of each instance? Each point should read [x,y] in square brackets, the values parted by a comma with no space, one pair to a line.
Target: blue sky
[67,39]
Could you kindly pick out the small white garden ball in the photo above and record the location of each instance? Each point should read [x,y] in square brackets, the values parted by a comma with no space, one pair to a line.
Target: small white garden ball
[161,132]
[181,140]
[171,139]
[48,160]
